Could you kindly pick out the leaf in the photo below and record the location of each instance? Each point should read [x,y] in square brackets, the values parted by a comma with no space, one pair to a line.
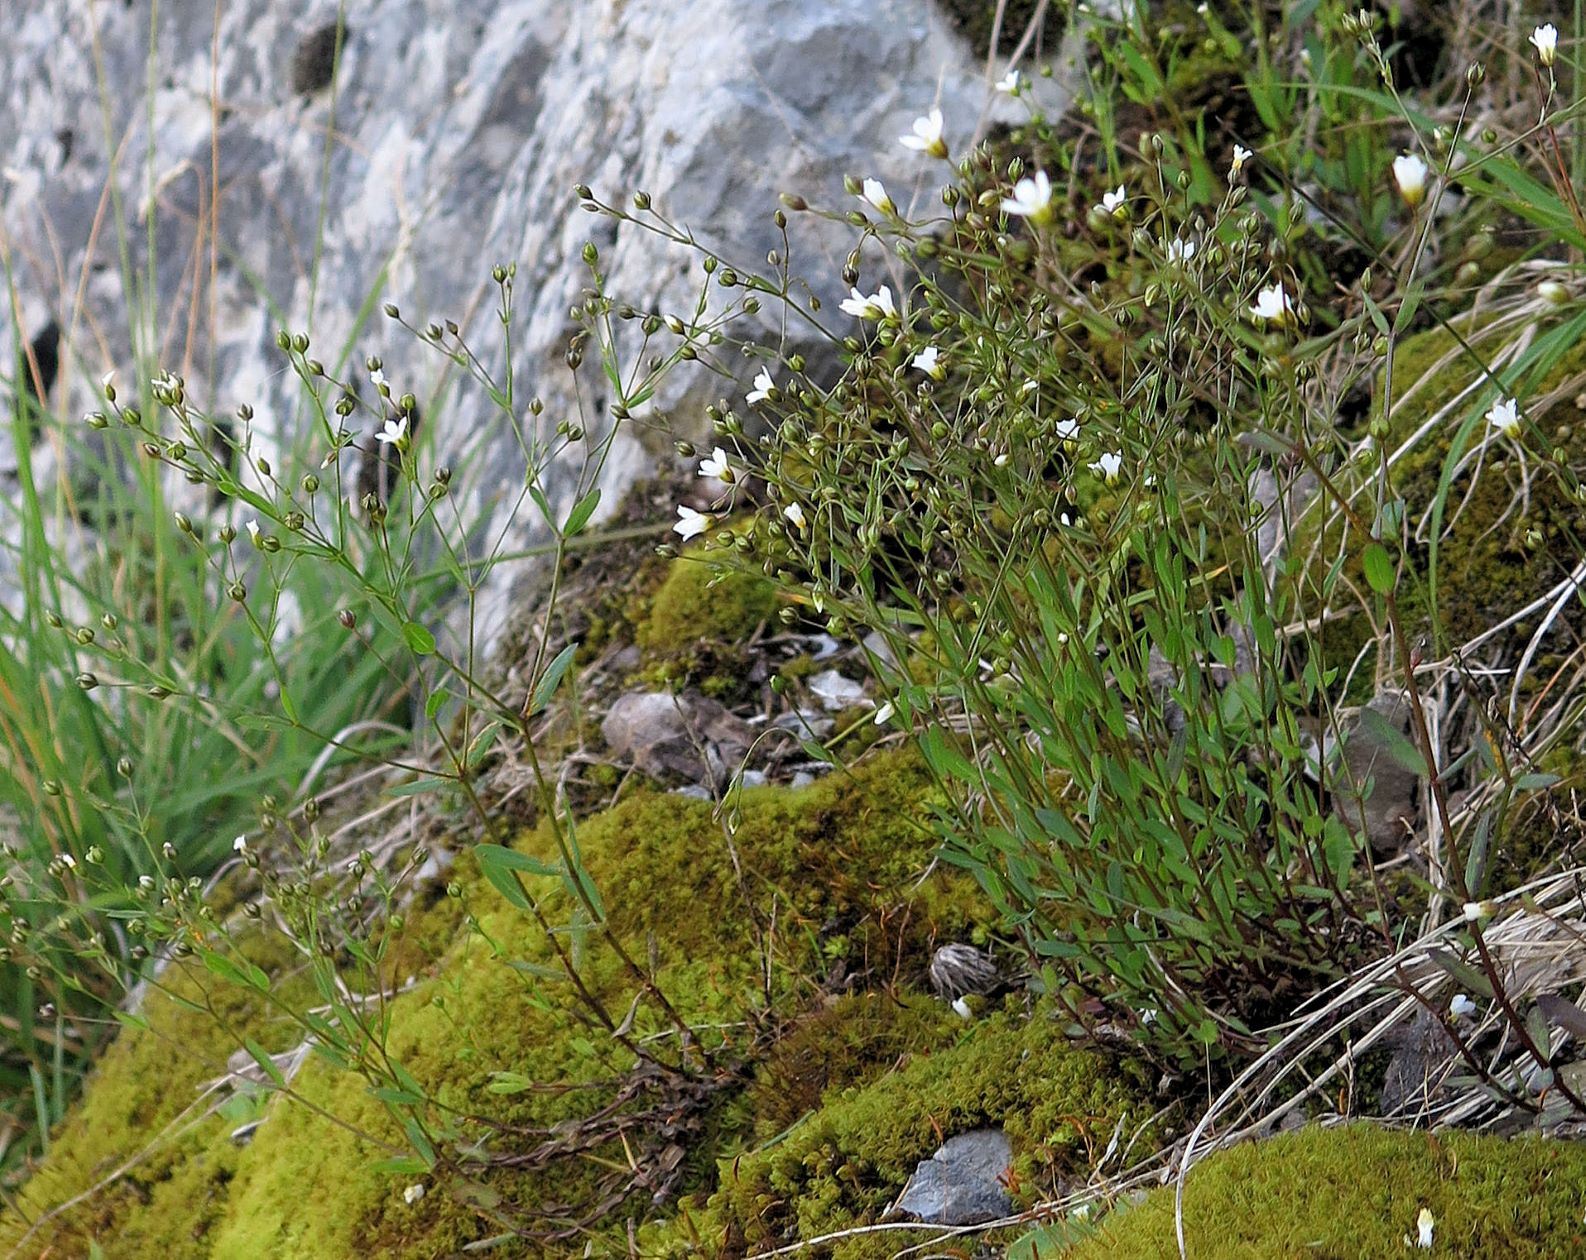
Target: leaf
[546,687]
[1533,782]
[425,783]
[582,511]
[1469,978]
[509,1083]
[406,1165]
[261,1056]
[1391,740]
[241,973]
[1380,573]
[419,640]
[500,865]
[1562,1013]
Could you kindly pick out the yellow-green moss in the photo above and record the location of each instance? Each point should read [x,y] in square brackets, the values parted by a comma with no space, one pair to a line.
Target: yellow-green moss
[696,603]
[845,1164]
[1356,1192]
[823,879]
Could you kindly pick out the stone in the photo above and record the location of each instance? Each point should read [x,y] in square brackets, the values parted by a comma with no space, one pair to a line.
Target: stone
[964,1183]
[449,140]
[668,737]
[1388,816]
[835,692]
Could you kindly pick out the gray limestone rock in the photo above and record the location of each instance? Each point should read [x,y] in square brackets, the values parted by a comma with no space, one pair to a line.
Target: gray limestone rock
[963,1183]
[687,736]
[258,188]
[1388,815]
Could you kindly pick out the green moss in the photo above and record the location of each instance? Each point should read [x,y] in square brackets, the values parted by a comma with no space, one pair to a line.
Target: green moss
[847,1163]
[820,880]
[1356,1191]
[697,602]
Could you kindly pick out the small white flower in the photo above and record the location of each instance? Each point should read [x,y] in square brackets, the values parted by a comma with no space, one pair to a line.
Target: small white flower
[146,882]
[1180,251]
[107,383]
[1109,466]
[68,861]
[1241,156]
[926,135]
[1011,84]
[240,844]
[763,385]
[877,306]
[876,195]
[1273,305]
[1423,1226]
[691,523]
[1504,415]
[961,1009]
[795,515]
[377,379]
[1066,430]
[1461,1006]
[716,465]
[253,531]
[884,714]
[1114,200]
[395,432]
[1032,198]
[1409,173]
[1545,40]
[1081,1213]
[1478,910]
[413,1193]
[929,361]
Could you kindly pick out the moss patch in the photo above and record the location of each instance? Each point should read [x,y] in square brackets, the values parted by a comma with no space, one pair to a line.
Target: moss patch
[847,1163]
[822,884]
[1356,1191]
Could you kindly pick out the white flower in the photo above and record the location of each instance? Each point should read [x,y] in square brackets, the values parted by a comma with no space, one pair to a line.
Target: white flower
[1011,84]
[876,195]
[1461,1006]
[715,465]
[68,861]
[927,135]
[413,1193]
[240,844]
[1066,430]
[146,882]
[1273,304]
[1180,251]
[107,384]
[929,361]
[377,379]
[691,523]
[795,514]
[961,1009]
[253,531]
[1241,156]
[1409,173]
[884,714]
[1114,200]
[1423,1226]
[877,306]
[1032,198]
[395,432]
[1478,910]
[1504,415]
[763,385]
[1109,466]
[1545,40]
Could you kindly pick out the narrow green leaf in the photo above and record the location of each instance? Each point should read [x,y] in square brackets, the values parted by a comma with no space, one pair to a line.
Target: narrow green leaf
[1379,568]
[419,640]
[261,1056]
[1391,740]
[1469,977]
[546,687]
[582,511]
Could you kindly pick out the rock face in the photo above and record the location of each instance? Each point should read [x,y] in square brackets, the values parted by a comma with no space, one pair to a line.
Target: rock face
[273,173]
